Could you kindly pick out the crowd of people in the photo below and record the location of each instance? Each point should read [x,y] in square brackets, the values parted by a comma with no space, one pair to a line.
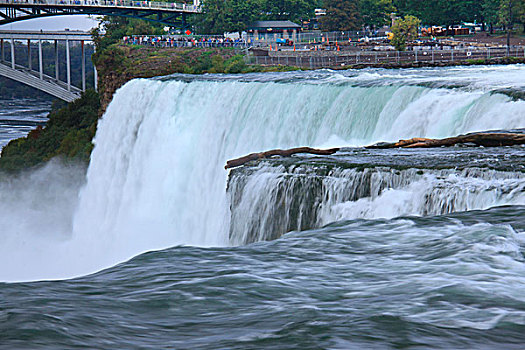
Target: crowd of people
[183,41]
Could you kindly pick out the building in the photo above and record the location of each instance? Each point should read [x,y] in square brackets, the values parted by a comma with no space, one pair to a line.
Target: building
[281,29]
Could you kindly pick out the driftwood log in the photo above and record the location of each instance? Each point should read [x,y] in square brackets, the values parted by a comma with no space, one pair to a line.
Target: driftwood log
[278,152]
[480,139]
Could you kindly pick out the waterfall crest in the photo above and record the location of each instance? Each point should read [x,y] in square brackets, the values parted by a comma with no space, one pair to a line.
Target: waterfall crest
[156,176]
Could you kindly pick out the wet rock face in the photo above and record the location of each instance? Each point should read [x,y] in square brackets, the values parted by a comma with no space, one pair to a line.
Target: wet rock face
[264,209]
[273,201]
[122,64]
[275,196]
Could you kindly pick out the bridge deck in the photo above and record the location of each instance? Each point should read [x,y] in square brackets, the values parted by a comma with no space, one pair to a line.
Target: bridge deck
[36,35]
[107,4]
[167,13]
[48,84]
[38,79]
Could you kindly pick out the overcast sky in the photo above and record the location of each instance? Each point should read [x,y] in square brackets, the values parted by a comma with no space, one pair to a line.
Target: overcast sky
[55,23]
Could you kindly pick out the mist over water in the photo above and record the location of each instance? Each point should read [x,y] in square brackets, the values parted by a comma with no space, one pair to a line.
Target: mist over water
[36,220]
[156,176]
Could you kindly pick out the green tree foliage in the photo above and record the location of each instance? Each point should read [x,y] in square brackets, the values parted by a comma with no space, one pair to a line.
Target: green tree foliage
[215,18]
[111,29]
[405,30]
[376,12]
[464,11]
[511,12]
[449,12]
[441,12]
[68,133]
[293,10]
[228,15]
[490,12]
[235,15]
[341,15]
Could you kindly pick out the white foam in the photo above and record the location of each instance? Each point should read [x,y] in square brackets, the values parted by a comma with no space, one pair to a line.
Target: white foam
[156,177]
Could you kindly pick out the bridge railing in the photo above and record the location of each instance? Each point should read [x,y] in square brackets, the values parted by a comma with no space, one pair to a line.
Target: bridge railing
[167,6]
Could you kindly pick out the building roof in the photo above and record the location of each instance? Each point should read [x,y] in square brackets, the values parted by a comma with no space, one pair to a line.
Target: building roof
[273,25]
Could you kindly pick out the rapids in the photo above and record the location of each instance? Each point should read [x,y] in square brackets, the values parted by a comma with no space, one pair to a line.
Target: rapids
[155,245]
[18,117]
[156,176]
[303,193]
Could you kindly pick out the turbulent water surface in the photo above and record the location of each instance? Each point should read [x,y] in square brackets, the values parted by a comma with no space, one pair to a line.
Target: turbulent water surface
[362,249]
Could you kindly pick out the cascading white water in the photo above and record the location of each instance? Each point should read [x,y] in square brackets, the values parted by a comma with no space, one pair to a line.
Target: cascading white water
[273,200]
[156,177]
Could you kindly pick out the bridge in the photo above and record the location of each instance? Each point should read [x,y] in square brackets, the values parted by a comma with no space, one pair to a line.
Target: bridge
[170,14]
[36,78]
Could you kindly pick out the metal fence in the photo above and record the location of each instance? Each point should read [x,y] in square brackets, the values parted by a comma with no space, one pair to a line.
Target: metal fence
[262,39]
[163,41]
[336,59]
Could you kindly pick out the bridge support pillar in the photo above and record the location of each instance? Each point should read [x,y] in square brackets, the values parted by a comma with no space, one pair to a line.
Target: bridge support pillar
[29,63]
[56,61]
[95,78]
[31,75]
[83,67]
[68,66]
[12,53]
[40,63]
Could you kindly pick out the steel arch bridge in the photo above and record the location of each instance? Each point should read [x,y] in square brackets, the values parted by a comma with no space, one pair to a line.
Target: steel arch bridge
[38,78]
[170,14]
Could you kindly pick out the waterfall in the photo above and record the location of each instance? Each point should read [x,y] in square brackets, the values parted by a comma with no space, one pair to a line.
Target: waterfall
[161,146]
[273,200]
[156,177]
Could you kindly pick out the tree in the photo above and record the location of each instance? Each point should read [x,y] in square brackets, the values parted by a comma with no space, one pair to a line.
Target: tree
[243,12]
[376,13]
[511,12]
[490,10]
[464,11]
[234,15]
[405,30]
[341,15]
[441,12]
[293,10]
[117,27]
[215,17]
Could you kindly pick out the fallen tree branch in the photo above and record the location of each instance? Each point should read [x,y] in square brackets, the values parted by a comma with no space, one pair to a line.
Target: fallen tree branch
[278,152]
[481,139]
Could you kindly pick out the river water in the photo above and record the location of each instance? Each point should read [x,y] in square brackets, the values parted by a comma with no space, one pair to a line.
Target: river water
[159,247]
[19,116]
